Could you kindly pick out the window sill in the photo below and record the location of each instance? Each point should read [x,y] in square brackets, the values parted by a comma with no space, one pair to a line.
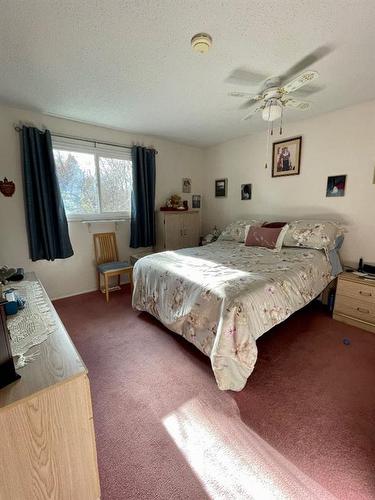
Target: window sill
[89,220]
[91,224]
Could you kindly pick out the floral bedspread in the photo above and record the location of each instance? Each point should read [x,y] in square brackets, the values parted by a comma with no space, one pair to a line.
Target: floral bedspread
[223,296]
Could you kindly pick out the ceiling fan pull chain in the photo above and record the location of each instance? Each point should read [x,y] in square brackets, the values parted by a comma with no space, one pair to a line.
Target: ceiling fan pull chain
[281,121]
[268,143]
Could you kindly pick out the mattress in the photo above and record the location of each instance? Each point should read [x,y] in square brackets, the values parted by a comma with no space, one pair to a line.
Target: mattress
[223,296]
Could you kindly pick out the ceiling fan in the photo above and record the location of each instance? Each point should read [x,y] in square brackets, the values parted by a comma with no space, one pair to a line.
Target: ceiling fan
[275,93]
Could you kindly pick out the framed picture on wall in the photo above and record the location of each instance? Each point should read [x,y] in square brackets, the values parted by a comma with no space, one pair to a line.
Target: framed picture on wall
[336,185]
[196,201]
[186,185]
[286,157]
[221,186]
[245,191]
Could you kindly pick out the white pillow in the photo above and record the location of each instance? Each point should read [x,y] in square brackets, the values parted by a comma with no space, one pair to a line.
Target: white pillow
[281,237]
[236,231]
[319,234]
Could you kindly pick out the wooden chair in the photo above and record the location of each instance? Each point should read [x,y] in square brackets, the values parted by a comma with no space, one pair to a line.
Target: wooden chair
[107,262]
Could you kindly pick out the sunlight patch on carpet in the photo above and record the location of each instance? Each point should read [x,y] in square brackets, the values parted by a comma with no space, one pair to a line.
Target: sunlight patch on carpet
[231,461]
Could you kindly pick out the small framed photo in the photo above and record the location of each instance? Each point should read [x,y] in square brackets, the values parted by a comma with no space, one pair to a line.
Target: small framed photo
[221,186]
[196,201]
[245,191]
[336,185]
[186,185]
[286,157]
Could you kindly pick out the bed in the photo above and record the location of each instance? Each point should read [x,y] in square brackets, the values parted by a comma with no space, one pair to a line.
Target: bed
[222,297]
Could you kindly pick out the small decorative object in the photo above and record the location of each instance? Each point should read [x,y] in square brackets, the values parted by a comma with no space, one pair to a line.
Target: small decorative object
[7,187]
[5,273]
[196,201]
[245,191]
[286,157]
[185,204]
[221,186]
[174,203]
[186,185]
[336,185]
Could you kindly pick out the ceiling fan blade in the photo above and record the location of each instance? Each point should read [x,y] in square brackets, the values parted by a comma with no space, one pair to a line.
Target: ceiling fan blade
[300,81]
[252,112]
[308,90]
[296,103]
[247,95]
[249,103]
[242,76]
[307,61]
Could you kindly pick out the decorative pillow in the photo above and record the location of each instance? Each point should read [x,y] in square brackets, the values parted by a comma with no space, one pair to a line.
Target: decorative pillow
[236,230]
[312,234]
[274,224]
[268,237]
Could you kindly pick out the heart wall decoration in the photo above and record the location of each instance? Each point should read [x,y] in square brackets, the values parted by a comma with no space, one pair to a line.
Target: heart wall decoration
[7,187]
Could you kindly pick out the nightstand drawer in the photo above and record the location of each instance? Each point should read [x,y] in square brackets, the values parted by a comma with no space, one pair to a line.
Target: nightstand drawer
[355,308]
[360,291]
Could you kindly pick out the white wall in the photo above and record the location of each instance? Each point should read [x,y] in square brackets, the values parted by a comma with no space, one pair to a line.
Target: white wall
[77,274]
[341,142]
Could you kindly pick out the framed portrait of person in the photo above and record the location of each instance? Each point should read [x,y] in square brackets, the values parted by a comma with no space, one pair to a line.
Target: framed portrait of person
[186,185]
[286,157]
[246,191]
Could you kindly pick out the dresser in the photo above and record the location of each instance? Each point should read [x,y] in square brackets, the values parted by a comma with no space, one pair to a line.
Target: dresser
[355,301]
[177,229]
[46,426]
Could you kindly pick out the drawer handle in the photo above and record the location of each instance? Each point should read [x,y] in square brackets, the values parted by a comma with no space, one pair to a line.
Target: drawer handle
[366,294]
[361,310]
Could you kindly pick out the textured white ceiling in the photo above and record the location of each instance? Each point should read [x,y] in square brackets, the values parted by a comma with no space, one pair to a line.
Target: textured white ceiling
[129,64]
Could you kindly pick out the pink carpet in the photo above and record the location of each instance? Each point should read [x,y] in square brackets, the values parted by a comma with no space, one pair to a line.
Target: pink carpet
[303,427]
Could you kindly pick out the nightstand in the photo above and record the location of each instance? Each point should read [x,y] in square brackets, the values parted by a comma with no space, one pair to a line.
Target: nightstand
[355,301]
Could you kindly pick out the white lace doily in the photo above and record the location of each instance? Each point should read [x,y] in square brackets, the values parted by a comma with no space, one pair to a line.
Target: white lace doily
[31,325]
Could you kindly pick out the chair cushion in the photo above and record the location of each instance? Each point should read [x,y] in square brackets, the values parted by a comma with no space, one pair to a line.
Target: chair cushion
[112,266]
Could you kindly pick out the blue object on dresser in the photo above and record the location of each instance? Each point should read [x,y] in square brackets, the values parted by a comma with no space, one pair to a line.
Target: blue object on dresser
[13,302]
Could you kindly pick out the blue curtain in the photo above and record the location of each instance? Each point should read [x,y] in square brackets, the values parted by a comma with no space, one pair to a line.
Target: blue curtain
[45,214]
[142,231]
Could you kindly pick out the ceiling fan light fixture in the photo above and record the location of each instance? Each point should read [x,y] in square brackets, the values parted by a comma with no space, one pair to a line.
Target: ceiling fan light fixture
[272,110]
[201,42]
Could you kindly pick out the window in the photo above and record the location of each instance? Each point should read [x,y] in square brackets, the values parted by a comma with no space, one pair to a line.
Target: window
[95,180]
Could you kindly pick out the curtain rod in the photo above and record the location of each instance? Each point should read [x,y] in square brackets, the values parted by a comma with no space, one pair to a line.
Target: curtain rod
[94,141]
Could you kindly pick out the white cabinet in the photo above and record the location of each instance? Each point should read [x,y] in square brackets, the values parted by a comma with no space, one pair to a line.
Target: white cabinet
[177,230]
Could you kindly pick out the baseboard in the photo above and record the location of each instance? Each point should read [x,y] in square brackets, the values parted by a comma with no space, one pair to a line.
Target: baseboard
[82,292]
[74,294]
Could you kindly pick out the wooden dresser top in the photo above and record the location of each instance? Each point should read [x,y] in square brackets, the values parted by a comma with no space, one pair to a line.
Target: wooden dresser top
[57,363]
[356,279]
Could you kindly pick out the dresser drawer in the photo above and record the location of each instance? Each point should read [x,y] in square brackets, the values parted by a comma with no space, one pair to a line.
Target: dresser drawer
[360,291]
[355,308]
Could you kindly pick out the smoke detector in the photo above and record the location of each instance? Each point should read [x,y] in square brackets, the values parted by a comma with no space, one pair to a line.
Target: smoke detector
[201,42]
